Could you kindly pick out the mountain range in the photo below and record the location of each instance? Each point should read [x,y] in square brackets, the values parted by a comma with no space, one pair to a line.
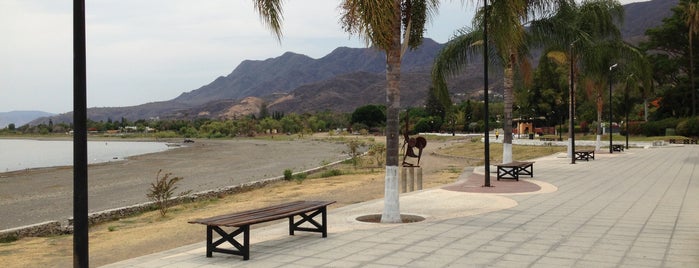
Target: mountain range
[20,118]
[341,81]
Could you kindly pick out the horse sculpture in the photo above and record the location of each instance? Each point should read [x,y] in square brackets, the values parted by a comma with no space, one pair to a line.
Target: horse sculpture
[420,143]
[412,143]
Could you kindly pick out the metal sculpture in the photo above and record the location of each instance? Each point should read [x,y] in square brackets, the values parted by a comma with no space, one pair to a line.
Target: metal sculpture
[409,145]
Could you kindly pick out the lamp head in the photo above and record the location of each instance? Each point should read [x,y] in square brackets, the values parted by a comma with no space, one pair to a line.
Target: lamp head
[613,66]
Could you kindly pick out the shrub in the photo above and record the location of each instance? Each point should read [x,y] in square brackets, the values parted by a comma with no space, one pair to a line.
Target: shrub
[300,177]
[353,147]
[288,174]
[162,190]
[8,239]
[378,151]
[688,127]
[657,128]
[331,173]
[166,134]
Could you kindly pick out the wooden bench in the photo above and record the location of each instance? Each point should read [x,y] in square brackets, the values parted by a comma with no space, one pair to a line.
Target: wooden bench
[617,148]
[512,170]
[585,155]
[241,221]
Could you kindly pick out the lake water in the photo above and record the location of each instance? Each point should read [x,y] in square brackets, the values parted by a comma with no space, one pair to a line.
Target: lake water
[24,154]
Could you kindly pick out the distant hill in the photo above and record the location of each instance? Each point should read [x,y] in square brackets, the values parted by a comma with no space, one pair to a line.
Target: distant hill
[290,70]
[19,118]
[643,15]
[344,79]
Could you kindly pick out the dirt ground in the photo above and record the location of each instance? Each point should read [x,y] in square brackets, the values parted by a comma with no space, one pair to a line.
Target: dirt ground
[40,195]
[149,232]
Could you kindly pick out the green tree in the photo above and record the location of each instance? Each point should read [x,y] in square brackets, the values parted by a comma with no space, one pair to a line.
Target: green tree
[291,123]
[507,36]
[691,14]
[371,115]
[382,24]
[588,32]
[673,62]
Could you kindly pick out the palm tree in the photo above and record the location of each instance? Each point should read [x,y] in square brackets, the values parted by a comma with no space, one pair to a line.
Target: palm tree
[379,23]
[590,34]
[507,35]
[691,11]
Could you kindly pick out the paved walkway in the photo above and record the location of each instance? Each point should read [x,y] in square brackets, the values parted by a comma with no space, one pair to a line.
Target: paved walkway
[639,208]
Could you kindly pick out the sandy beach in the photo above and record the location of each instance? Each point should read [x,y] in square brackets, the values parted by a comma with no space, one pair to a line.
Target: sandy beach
[39,195]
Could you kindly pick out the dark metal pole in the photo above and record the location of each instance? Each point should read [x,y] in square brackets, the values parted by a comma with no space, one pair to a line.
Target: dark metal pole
[610,113]
[571,105]
[485,94]
[626,103]
[611,128]
[80,221]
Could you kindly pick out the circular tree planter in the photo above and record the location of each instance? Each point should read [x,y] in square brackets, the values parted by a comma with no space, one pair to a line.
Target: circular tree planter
[376,218]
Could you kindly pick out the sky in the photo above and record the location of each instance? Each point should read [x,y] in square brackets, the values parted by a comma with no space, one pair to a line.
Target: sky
[145,51]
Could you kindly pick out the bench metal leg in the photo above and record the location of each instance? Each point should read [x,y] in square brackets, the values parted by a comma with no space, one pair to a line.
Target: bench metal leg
[240,249]
[503,173]
[318,227]
[527,170]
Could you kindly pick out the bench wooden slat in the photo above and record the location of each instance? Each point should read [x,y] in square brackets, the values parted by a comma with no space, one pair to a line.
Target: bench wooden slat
[241,221]
[271,213]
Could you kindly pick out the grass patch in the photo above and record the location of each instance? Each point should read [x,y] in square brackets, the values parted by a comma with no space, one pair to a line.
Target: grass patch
[331,173]
[8,239]
[473,152]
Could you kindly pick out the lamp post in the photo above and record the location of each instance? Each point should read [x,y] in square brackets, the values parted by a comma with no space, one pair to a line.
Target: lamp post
[611,68]
[81,256]
[627,108]
[485,94]
[571,105]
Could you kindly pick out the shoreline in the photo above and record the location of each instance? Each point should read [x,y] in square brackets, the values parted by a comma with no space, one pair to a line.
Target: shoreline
[29,154]
[45,194]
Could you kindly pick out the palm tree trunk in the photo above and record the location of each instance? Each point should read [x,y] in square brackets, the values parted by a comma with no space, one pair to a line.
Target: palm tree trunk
[507,124]
[691,73]
[391,212]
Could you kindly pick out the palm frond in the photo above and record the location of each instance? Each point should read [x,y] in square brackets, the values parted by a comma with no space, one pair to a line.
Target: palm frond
[270,12]
[372,21]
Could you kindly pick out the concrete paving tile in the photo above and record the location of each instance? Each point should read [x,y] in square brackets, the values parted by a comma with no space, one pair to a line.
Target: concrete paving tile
[633,220]
[681,264]
[313,261]
[510,264]
[596,264]
[343,264]
[520,257]
[560,262]
[641,262]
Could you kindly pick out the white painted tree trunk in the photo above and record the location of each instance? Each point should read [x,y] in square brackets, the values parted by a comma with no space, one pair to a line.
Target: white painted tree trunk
[391,209]
[598,143]
[507,152]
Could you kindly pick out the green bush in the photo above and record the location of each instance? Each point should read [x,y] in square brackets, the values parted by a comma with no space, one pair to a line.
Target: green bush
[8,239]
[166,134]
[353,145]
[378,151]
[657,128]
[688,127]
[288,174]
[162,190]
[300,177]
[331,173]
